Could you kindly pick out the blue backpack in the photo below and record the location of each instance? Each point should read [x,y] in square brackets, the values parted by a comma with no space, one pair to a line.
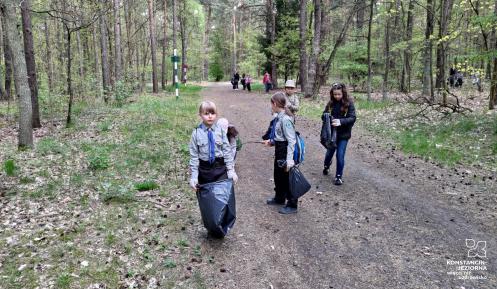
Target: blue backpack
[299,151]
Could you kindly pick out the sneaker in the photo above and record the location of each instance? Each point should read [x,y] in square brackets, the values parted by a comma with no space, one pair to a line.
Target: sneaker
[272,201]
[338,181]
[287,210]
[326,170]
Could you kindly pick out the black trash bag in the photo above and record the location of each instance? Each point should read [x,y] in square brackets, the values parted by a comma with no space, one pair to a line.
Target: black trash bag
[217,206]
[298,183]
[328,136]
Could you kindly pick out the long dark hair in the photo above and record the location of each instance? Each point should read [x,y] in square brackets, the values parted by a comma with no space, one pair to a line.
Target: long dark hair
[345,101]
[279,99]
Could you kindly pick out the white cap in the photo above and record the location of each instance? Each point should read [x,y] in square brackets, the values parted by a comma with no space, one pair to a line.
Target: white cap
[290,83]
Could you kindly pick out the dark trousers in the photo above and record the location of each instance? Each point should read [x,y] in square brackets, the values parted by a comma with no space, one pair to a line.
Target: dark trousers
[248,87]
[210,173]
[281,177]
[267,86]
[235,84]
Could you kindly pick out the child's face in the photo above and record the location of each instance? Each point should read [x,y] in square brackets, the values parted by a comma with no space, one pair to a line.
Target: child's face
[208,118]
[337,94]
[273,107]
[289,90]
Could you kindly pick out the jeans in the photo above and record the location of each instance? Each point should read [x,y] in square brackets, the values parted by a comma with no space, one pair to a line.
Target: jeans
[267,86]
[341,147]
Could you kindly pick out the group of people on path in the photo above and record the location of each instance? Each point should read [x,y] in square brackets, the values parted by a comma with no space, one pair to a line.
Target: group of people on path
[245,81]
[212,155]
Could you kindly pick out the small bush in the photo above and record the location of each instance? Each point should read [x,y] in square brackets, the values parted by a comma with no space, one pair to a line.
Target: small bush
[122,92]
[10,168]
[146,186]
[117,194]
[98,160]
[169,263]
[49,146]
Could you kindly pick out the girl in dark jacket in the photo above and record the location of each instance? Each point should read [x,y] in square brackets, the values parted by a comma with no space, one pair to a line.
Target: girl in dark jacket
[342,113]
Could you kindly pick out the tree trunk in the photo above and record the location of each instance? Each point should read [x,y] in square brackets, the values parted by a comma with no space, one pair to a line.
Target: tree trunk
[492,104]
[3,95]
[303,45]
[30,61]
[406,71]
[446,8]
[427,53]
[360,15]
[274,66]
[316,47]
[205,56]
[96,56]
[7,52]
[151,22]
[370,25]
[128,64]
[49,64]
[175,36]
[164,47]
[69,74]
[184,36]
[81,64]
[25,136]
[387,53]
[105,58]
[117,39]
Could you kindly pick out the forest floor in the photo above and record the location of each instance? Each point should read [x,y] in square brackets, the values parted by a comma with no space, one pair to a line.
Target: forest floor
[72,214]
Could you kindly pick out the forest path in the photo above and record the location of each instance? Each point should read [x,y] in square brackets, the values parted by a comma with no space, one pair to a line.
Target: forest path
[392,224]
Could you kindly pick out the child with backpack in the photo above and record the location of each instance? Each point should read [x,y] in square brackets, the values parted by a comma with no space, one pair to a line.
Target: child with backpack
[341,113]
[283,137]
[213,172]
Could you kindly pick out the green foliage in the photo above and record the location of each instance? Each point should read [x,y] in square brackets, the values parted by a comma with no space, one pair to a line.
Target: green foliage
[49,145]
[169,263]
[352,61]
[146,186]
[9,167]
[116,193]
[64,281]
[122,91]
[98,159]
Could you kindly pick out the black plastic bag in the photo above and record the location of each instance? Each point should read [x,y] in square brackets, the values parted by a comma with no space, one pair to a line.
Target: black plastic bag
[217,206]
[298,183]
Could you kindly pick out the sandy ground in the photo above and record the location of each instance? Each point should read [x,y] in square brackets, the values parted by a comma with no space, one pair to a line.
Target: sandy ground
[397,222]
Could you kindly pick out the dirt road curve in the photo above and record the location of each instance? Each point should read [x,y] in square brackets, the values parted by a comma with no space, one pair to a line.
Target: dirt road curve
[397,222]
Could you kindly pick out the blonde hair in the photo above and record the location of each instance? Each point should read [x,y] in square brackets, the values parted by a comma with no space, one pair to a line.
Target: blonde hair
[207,106]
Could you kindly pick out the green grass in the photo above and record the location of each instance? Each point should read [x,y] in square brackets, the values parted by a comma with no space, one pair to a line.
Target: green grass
[9,167]
[92,172]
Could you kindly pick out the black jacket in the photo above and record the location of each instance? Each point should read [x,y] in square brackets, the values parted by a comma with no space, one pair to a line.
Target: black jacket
[347,119]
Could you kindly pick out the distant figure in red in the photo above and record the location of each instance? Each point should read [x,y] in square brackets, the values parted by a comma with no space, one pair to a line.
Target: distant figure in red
[267,81]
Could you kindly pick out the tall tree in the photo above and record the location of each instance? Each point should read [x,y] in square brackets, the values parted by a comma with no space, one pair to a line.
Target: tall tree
[427,51]
[184,41]
[151,23]
[316,48]
[303,45]
[175,37]
[48,58]
[3,96]
[370,26]
[105,58]
[30,60]
[25,136]
[117,39]
[406,71]
[442,46]
[387,52]
[492,104]
[7,51]
[164,45]
[205,55]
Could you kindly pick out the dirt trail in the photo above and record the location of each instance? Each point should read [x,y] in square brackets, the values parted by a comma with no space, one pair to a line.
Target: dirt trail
[393,224]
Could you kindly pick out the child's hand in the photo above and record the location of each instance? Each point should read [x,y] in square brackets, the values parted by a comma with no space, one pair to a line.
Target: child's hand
[194,184]
[336,122]
[232,175]
[267,143]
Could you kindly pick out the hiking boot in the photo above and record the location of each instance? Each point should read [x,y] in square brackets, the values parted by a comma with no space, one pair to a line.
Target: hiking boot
[338,181]
[287,210]
[326,170]
[273,202]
